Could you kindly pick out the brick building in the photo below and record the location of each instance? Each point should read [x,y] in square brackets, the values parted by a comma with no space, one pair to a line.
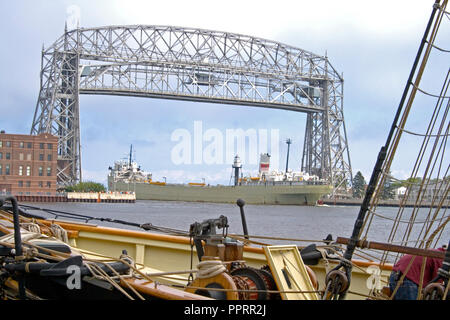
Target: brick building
[28,164]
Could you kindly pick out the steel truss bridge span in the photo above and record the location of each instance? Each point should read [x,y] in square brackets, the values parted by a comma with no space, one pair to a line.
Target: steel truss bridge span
[191,64]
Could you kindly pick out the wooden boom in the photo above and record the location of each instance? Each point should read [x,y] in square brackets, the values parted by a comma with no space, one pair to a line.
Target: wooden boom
[394,248]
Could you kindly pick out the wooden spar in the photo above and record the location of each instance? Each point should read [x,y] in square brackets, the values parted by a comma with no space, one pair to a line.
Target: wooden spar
[394,248]
[160,290]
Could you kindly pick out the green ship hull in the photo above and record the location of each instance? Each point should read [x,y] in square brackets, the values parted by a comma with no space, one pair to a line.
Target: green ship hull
[295,194]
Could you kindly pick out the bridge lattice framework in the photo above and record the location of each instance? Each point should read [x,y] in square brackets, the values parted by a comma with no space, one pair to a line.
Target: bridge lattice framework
[197,65]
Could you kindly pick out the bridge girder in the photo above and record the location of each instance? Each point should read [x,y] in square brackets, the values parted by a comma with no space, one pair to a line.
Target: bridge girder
[191,64]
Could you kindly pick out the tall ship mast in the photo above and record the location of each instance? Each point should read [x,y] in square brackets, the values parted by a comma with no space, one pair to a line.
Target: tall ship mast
[417,143]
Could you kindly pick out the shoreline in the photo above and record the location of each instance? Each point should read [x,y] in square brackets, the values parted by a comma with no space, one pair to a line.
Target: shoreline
[381,203]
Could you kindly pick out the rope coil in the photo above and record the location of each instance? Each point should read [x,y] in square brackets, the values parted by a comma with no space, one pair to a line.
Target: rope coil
[210,268]
[59,232]
[31,227]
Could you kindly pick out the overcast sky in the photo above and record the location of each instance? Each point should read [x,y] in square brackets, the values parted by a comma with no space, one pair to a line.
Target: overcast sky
[372,43]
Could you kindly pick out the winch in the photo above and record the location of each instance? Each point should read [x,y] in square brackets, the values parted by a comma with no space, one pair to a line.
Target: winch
[236,280]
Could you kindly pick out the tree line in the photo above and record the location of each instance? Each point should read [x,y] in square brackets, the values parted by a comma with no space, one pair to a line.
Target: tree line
[88,186]
[389,186]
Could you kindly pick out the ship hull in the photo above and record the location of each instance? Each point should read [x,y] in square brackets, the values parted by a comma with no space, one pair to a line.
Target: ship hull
[306,194]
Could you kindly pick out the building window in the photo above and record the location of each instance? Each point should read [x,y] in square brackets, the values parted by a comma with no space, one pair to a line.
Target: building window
[20,156]
[49,184]
[7,170]
[1,144]
[41,146]
[20,170]
[20,184]
[1,169]
[41,171]
[1,155]
[41,157]
[29,157]
[8,144]
[28,184]
[29,145]
[49,146]
[49,157]
[28,171]
[49,171]
[8,156]
[40,184]
[21,144]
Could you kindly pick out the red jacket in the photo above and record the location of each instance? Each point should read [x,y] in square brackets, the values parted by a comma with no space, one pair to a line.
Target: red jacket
[430,272]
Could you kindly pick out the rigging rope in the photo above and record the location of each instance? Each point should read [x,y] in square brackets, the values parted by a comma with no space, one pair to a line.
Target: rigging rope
[167,230]
[440,49]
[430,94]
[91,264]
[404,221]
[424,184]
[394,144]
[422,134]
[436,159]
[86,218]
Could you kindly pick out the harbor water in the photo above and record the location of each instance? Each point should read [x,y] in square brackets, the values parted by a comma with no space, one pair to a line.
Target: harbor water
[309,223]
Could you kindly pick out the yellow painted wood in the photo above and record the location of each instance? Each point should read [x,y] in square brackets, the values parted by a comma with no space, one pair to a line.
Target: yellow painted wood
[290,273]
[140,253]
[173,253]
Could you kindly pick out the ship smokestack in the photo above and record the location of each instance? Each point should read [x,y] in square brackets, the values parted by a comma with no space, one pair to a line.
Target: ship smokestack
[264,164]
[237,166]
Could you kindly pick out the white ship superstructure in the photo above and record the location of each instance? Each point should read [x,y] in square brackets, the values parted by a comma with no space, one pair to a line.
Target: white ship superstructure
[128,171]
[277,176]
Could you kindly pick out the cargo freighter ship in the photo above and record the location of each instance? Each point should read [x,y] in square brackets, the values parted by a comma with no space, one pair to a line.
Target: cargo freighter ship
[269,187]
